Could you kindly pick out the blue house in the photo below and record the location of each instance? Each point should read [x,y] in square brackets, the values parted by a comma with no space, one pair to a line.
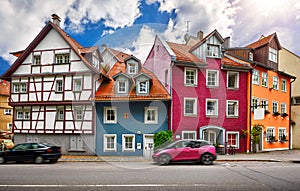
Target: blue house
[131,106]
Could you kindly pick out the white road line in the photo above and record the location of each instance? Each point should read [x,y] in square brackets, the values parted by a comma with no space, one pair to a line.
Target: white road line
[98,185]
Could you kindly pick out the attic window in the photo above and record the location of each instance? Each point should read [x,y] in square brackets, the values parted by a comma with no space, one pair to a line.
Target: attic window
[213,50]
[251,56]
[273,55]
[62,58]
[143,87]
[37,60]
[132,68]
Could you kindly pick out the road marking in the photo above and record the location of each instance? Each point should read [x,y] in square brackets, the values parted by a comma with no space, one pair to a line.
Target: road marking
[100,185]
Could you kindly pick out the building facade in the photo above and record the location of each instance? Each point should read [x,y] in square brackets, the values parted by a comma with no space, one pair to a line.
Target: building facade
[6,111]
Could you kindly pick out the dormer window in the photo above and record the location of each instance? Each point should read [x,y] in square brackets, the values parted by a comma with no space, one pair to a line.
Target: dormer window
[143,87]
[132,68]
[213,50]
[121,87]
[273,55]
[251,56]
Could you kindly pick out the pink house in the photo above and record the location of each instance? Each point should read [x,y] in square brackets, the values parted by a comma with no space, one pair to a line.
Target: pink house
[208,88]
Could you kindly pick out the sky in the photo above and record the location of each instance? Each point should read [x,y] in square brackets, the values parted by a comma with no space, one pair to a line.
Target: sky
[130,26]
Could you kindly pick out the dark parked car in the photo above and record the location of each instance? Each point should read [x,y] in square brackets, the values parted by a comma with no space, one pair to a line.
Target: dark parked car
[186,150]
[31,152]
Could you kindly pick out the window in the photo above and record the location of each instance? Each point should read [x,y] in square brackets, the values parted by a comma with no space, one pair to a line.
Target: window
[275,107]
[151,115]
[121,87]
[270,134]
[62,58]
[251,56]
[110,141]
[296,100]
[78,113]
[132,68]
[254,103]
[232,79]
[212,78]
[275,82]
[283,85]
[264,79]
[143,87]
[233,139]
[9,126]
[190,77]
[211,107]
[37,60]
[232,108]
[273,54]
[283,108]
[7,111]
[255,77]
[213,50]
[190,106]
[110,115]
[22,114]
[19,87]
[189,135]
[59,113]
[77,85]
[281,134]
[264,104]
[59,86]
[128,142]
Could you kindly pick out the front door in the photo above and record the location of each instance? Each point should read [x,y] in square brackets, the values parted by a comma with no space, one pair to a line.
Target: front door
[212,137]
[148,146]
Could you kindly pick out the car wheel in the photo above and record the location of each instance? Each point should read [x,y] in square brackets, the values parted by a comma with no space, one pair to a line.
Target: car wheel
[164,159]
[39,160]
[2,160]
[206,159]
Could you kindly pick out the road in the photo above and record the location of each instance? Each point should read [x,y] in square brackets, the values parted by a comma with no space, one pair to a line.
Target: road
[77,176]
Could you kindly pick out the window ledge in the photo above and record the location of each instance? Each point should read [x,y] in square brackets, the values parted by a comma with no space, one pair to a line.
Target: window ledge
[212,116]
[232,116]
[213,87]
[190,115]
[232,88]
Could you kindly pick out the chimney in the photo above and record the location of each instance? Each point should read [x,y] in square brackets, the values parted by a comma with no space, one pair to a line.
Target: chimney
[103,46]
[55,19]
[200,35]
[226,43]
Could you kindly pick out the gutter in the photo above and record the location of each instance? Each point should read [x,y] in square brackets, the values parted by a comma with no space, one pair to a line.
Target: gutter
[290,112]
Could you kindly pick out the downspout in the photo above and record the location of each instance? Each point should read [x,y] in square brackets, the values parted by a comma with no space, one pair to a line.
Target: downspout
[171,102]
[250,110]
[290,114]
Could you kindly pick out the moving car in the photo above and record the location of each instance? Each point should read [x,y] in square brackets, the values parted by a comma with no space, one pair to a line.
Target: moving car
[31,152]
[186,150]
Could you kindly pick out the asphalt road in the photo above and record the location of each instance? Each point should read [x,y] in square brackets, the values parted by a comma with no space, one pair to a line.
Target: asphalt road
[75,176]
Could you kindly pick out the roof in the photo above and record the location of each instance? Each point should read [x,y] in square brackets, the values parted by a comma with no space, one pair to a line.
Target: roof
[120,56]
[106,91]
[214,32]
[49,26]
[264,41]
[184,55]
[231,62]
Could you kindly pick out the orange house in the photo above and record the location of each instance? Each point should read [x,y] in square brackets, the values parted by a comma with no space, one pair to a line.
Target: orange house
[270,92]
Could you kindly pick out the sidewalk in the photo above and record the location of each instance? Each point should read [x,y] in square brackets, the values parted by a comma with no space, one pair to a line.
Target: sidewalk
[272,156]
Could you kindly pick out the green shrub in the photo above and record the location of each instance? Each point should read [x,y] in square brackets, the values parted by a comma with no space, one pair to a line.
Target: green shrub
[162,137]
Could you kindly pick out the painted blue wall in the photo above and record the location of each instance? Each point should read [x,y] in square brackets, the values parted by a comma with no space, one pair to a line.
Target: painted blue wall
[131,125]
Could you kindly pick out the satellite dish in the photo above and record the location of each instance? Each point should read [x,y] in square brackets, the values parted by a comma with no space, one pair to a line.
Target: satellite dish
[187,37]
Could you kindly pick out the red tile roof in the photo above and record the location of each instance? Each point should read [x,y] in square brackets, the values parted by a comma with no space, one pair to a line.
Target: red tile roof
[262,41]
[183,55]
[121,56]
[106,91]
[233,62]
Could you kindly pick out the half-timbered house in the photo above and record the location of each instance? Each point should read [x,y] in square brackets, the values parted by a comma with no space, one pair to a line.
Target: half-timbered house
[53,83]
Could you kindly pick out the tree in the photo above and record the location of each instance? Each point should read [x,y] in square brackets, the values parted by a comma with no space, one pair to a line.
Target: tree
[162,137]
[255,135]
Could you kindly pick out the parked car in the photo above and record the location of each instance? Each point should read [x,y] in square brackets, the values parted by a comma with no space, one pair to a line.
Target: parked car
[7,144]
[31,152]
[186,150]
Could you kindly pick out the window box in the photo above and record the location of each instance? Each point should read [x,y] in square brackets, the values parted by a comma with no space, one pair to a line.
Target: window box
[271,139]
[267,112]
[275,114]
[284,115]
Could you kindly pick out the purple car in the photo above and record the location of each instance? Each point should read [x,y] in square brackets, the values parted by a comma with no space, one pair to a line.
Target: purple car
[186,150]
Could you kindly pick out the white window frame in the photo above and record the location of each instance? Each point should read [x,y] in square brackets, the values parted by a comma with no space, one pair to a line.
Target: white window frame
[148,109]
[283,85]
[236,81]
[78,113]
[281,132]
[264,79]
[275,82]
[124,148]
[187,82]
[273,53]
[255,77]
[253,104]
[251,56]
[236,108]
[274,106]
[20,87]
[270,132]
[216,78]
[59,85]
[7,111]
[283,108]
[62,58]
[264,104]
[213,50]
[60,113]
[132,68]
[215,113]
[121,87]
[22,114]
[106,115]
[193,133]
[146,87]
[237,134]
[77,85]
[105,149]
[195,105]
[37,60]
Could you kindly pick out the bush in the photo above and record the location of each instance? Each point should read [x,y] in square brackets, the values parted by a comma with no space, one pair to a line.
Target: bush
[162,137]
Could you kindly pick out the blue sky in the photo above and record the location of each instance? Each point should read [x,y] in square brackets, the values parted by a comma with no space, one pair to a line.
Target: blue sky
[131,25]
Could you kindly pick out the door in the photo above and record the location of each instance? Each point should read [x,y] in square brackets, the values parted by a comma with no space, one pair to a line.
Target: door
[212,137]
[148,146]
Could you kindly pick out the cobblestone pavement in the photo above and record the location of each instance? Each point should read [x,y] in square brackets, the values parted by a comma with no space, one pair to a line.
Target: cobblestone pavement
[270,156]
